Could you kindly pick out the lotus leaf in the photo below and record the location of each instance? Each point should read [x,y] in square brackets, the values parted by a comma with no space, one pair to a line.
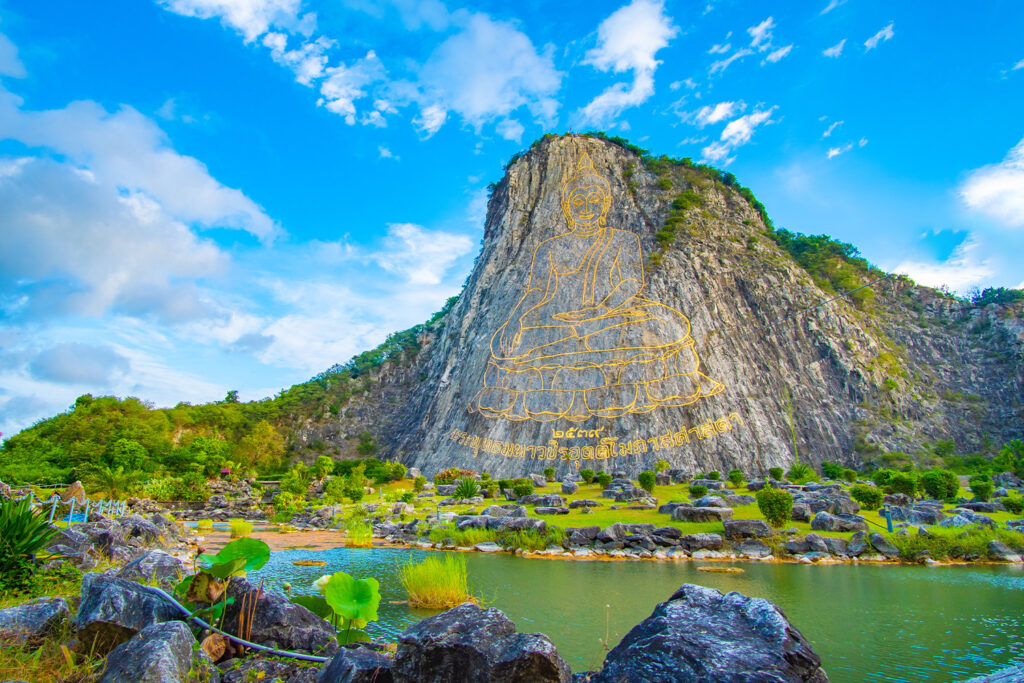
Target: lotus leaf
[354,599]
[252,553]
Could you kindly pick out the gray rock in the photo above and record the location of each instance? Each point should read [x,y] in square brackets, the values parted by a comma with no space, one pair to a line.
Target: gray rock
[746,528]
[686,514]
[113,610]
[256,668]
[837,546]
[751,548]
[160,653]
[976,517]
[983,506]
[156,565]
[735,501]
[710,502]
[615,532]
[413,472]
[685,638]
[824,521]
[551,510]
[712,484]
[359,663]
[470,644]
[277,619]
[569,487]
[488,547]
[445,489]
[884,546]
[584,503]
[668,508]
[30,622]
[955,521]
[998,550]
[539,480]
[1011,674]
[141,532]
[801,512]
[858,544]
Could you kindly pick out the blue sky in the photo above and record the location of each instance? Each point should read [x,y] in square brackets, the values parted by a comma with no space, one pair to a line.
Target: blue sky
[204,195]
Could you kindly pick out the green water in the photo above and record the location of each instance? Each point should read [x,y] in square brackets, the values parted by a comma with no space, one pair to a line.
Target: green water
[868,623]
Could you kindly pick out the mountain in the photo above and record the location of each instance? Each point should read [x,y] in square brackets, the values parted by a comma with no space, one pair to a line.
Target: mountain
[682,327]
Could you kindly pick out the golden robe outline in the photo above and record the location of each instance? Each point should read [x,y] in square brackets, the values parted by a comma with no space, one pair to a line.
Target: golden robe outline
[582,342]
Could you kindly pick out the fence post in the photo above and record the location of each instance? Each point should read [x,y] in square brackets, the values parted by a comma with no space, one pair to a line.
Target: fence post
[71,511]
[53,508]
[87,502]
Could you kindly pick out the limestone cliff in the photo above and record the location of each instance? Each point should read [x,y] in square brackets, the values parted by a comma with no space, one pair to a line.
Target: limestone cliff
[673,329]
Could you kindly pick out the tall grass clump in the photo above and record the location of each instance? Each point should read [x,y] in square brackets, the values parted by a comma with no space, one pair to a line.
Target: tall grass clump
[204,523]
[239,528]
[462,538]
[963,543]
[437,582]
[359,536]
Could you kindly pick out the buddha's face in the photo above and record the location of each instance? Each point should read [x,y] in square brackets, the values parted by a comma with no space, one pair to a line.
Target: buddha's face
[587,206]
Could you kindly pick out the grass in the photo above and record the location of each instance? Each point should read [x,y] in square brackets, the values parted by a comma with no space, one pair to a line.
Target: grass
[954,544]
[466,538]
[204,523]
[49,660]
[240,528]
[437,582]
[359,536]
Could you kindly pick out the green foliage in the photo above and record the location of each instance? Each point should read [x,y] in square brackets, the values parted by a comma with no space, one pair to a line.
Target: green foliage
[849,475]
[968,543]
[466,488]
[236,558]
[647,479]
[367,444]
[940,484]
[713,475]
[462,538]
[870,497]
[1010,458]
[997,295]
[981,486]
[355,483]
[23,533]
[831,470]
[587,475]
[531,540]
[735,477]
[800,473]
[905,483]
[436,582]
[775,473]
[506,484]
[662,465]
[603,479]
[883,477]
[114,483]
[775,504]
[324,465]
[239,528]
[296,481]
[348,603]
[522,487]
[835,266]
[698,491]
[451,474]
[1013,504]
[549,473]
[419,483]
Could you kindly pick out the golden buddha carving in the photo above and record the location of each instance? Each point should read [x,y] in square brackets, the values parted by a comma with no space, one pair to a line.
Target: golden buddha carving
[582,342]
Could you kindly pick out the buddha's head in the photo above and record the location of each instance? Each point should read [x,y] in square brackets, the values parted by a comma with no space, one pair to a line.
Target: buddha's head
[586,197]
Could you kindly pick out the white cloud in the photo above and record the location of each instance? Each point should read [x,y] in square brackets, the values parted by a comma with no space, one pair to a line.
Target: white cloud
[736,134]
[344,85]
[832,4]
[628,40]
[687,83]
[10,63]
[761,35]
[882,36]
[835,50]
[1018,65]
[832,127]
[998,190]
[251,18]
[723,64]
[418,255]
[76,363]
[307,61]
[833,152]
[483,73]
[386,153]
[719,48]
[127,153]
[960,271]
[510,129]
[776,55]
[708,115]
[862,142]
[414,14]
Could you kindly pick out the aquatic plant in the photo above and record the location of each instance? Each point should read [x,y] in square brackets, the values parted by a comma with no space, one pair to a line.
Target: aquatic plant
[360,535]
[962,543]
[437,582]
[204,523]
[348,603]
[775,504]
[463,538]
[240,528]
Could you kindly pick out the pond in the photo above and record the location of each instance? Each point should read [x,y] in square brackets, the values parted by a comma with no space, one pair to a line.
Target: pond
[868,623]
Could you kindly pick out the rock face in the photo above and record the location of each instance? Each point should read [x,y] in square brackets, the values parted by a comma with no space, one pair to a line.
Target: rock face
[357,664]
[701,635]
[276,619]
[113,610]
[155,565]
[31,621]
[161,653]
[470,644]
[719,272]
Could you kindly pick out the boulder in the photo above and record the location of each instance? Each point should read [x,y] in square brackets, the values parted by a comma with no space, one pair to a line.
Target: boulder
[746,528]
[413,472]
[669,508]
[837,546]
[30,622]
[712,484]
[488,547]
[446,489]
[76,491]
[360,663]
[140,532]
[801,512]
[522,524]
[751,547]
[539,480]
[569,487]
[615,532]
[686,637]
[955,522]
[113,610]
[472,644]
[584,503]
[983,506]
[883,545]
[735,501]
[256,668]
[550,500]
[276,619]
[710,502]
[551,510]
[825,521]
[157,566]
[998,550]
[858,544]
[160,653]
[686,514]
[976,517]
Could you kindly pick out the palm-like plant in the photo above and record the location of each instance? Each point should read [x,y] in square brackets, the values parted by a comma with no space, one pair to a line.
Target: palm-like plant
[466,488]
[23,533]
[115,483]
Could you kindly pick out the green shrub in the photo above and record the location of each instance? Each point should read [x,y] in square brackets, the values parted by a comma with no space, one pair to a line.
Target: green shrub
[23,533]
[869,497]
[883,477]
[849,475]
[603,479]
[587,475]
[831,470]
[800,473]
[647,480]
[904,482]
[714,475]
[549,473]
[662,466]
[940,484]
[506,484]
[981,486]
[698,491]
[466,488]
[450,475]
[419,483]
[775,504]
[1014,505]
[775,473]
[485,476]
[522,487]
[735,478]
[491,489]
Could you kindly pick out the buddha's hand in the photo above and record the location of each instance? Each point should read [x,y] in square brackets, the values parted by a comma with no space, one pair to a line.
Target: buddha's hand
[578,315]
[511,342]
